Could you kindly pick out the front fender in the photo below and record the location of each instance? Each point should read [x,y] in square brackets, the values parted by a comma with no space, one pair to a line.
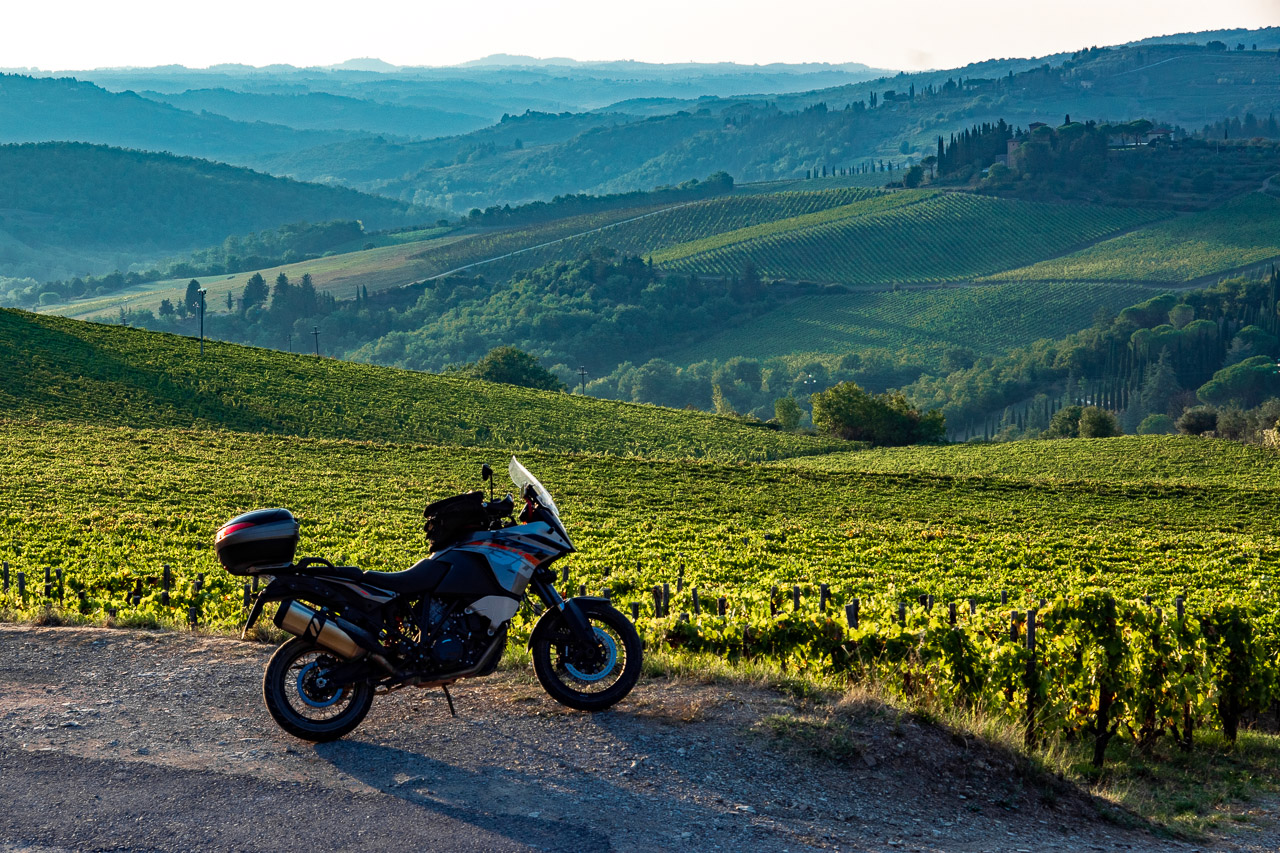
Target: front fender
[568,612]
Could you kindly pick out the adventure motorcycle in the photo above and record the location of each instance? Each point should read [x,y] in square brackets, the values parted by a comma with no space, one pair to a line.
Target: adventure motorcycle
[357,634]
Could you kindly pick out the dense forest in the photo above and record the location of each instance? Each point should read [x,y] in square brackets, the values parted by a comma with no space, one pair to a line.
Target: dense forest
[1214,348]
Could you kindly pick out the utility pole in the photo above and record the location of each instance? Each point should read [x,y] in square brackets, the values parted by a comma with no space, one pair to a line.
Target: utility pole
[316,335]
[203,291]
[291,342]
[582,375]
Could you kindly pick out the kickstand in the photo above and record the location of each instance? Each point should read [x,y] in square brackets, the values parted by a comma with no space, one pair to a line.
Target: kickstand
[449,699]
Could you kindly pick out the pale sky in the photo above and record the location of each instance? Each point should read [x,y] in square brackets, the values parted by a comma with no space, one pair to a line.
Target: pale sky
[82,34]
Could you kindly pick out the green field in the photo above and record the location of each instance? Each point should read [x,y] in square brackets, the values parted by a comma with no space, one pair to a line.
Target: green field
[59,369]
[115,503]
[988,319]
[943,237]
[1244,231]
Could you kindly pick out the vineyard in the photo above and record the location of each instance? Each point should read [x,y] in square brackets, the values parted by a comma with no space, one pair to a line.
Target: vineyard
[987,319]
[941,238]
[61,369]
[1148,460]
[1244,231]
[697,221]
[824,571]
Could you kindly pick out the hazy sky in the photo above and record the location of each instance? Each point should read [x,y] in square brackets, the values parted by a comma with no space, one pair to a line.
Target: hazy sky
[77,34]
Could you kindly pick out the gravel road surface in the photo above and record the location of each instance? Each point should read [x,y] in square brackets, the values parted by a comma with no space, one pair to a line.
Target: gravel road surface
[132,740]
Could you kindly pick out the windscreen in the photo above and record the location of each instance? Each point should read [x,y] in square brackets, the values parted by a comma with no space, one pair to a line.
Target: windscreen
[520,477]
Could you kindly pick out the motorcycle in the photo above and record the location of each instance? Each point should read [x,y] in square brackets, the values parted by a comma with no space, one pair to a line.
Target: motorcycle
[358,634]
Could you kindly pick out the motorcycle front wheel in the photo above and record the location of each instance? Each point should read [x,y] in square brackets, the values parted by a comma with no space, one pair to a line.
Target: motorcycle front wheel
[303,702]
[588,679]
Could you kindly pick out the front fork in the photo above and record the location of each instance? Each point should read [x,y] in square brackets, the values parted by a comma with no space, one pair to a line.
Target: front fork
[575,619]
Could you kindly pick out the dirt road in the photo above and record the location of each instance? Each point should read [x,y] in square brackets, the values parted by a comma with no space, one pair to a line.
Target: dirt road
[133,740]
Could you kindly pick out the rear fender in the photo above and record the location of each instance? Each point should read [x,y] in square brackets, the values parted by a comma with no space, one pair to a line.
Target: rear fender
[292,587]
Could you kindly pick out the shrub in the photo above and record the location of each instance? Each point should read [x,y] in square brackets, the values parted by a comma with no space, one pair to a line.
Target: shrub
[1198,420]
[1159,424]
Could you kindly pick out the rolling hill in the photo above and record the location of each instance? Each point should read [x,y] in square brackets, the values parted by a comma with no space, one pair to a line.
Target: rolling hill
[1241,233]
[65,204]
[59,369]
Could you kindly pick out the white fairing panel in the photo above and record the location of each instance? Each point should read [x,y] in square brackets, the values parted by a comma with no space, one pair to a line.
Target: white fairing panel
[496,608]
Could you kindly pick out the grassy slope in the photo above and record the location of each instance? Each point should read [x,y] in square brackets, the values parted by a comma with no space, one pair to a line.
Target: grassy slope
[941,238]
[68,370]
[113,504]
[988,320]
[1244,231]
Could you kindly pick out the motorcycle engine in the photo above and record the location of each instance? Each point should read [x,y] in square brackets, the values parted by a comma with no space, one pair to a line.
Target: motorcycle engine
[452,639]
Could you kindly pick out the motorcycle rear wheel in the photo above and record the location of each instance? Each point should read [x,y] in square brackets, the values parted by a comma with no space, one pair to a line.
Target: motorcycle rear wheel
[575,677]
[301,702]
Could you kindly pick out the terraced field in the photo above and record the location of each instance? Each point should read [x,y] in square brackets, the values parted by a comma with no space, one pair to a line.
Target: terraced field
[1244,231]
[941,237]
[987,319]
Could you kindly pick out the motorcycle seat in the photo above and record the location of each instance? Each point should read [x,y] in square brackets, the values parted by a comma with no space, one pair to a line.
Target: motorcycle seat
[422,576]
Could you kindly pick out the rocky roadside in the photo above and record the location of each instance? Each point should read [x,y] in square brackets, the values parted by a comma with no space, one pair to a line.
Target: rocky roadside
[115,739]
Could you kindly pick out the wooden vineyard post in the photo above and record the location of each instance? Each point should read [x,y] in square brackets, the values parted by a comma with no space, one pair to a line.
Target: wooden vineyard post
[4,575]
[1004,598]
[722,606]
[564,576]
[248,594]
[135,597]
[193,616]
[607,592]
[48,583]
[62,590]
[680,579]
[697,605]
[795,598]
[951,614]
[973,606]
[582,590]
[928,603]
[902,613]
[166,581]
[22,587]
[851,613]
[666,599]
[635,611]
[657,602]
[924,602]
[1184,742]
[824,594]
[1030,681]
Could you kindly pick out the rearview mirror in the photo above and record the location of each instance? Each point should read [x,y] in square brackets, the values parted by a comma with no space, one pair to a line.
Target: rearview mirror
[486,473]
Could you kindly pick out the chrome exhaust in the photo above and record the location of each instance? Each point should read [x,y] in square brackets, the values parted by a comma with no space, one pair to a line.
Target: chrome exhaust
[332,632]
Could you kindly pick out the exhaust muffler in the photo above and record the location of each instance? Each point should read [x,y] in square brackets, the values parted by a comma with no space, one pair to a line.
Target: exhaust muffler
[333,632]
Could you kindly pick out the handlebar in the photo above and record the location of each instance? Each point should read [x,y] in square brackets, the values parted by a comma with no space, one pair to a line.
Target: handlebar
[500,509]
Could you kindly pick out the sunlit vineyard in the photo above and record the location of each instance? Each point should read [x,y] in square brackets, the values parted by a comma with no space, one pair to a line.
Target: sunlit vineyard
[948,237]
[823,571]
[69,370]
[1145,460]
[987,319]
[1244,231]
[114,504]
